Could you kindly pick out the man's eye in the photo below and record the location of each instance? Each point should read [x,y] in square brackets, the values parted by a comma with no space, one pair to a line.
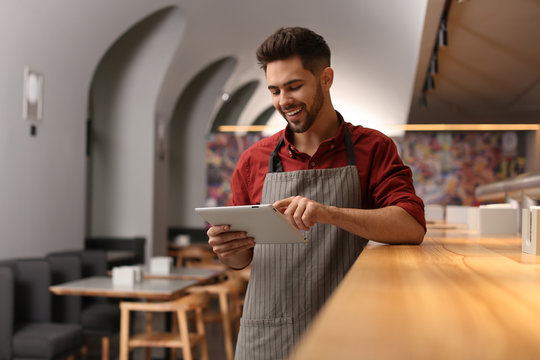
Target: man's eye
[275,92]
[292,88]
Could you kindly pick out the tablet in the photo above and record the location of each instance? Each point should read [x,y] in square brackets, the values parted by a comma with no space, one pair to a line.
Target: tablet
[263,222]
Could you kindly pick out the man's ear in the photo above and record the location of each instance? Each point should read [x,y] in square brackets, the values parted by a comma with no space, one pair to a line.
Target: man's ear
[327,77]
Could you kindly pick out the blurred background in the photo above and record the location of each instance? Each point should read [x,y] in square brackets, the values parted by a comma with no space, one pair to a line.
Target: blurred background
[118,118]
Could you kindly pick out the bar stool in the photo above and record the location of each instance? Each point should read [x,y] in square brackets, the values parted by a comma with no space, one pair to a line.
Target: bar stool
[179,337]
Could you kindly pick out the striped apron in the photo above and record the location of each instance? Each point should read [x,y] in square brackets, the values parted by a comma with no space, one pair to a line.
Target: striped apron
[289,283]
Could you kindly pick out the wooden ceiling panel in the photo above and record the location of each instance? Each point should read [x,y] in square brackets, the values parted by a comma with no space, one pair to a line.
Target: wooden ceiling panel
[490,68]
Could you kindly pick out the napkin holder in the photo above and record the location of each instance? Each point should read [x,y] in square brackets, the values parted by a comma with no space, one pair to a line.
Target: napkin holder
[126,275]
[161,265]
[530,236]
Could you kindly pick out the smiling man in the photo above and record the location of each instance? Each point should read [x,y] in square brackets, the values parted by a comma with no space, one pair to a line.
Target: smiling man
[342,184]
[289,98]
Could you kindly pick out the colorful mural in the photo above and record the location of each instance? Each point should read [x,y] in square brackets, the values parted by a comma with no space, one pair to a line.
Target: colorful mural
[222,153]
[447,166]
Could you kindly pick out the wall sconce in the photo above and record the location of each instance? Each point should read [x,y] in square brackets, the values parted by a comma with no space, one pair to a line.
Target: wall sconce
[433,67]
[32,95]
[162,128]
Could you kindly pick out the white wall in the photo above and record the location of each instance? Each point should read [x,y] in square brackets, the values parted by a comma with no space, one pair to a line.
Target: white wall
[124,160]
[42,178]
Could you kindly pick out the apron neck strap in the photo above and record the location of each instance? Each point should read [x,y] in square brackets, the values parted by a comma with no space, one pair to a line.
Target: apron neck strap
[351,158]
[275,165]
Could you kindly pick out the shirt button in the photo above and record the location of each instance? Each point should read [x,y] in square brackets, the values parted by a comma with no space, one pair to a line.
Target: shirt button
[332,146]
[312,163]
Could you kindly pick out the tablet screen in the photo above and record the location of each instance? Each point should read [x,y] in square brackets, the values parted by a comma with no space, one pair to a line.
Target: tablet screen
[263,222]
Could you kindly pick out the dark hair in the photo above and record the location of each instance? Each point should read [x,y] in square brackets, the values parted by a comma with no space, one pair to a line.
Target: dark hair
[295,41]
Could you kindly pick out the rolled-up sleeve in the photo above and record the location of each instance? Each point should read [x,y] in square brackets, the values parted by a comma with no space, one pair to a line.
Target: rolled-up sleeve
[391,181]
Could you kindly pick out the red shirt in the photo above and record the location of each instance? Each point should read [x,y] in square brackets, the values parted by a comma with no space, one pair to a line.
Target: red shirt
[384,179]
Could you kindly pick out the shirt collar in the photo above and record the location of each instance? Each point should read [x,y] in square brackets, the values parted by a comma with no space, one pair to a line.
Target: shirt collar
[331,142]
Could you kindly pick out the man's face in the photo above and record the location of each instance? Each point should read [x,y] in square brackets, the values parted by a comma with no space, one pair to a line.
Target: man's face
[296,92]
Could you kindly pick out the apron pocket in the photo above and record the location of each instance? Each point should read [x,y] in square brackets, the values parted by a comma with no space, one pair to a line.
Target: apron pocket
[265,338]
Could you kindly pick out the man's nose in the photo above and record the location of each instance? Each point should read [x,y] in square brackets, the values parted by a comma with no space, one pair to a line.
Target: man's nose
[285,100]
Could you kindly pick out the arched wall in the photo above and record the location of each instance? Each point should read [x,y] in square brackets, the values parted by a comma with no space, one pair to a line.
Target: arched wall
[190,123]
[265,116]
[126,166]
[230,111]
[42,177]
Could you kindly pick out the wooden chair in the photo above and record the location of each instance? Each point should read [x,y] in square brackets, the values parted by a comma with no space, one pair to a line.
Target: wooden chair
[195,255]
[241,276]
[230,295]
[229,292]
[179,337]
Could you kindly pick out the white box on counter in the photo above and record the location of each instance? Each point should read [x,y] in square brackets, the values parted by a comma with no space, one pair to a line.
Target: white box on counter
[497,219]
[460,214]
[434,212]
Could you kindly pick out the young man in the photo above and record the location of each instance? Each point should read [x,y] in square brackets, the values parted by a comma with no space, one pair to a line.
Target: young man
[343,183]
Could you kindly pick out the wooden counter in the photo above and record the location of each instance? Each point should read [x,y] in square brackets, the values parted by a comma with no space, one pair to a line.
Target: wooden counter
[456,296]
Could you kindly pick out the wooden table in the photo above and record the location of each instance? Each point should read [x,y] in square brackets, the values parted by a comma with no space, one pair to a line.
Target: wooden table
[150,289]
[188,273]
[457,296]
[154,287]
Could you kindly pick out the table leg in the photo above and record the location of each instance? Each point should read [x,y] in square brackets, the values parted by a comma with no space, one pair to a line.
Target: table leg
[148,328]
[124,334]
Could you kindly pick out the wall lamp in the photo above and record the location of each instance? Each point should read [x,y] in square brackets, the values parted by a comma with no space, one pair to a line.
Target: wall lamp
[434,62]
[442,40]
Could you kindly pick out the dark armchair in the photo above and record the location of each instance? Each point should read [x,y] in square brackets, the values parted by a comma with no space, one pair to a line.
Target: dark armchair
[196,235]
[98,317]
[26,327]
[131,249]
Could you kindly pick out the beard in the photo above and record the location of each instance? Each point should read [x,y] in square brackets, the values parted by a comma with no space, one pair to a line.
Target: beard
[310,114]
